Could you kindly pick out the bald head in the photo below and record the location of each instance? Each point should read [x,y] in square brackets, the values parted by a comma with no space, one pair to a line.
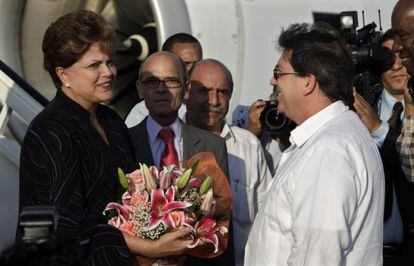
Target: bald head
[213,65]
[403,26]
[161,84]
[164,59]
[208,95]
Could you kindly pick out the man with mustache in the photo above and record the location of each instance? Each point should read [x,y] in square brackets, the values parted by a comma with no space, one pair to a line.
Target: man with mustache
[403,26]
[381,113]
[207,100]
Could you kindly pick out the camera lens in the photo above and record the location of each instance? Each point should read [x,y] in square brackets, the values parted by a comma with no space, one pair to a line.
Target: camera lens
[271,119]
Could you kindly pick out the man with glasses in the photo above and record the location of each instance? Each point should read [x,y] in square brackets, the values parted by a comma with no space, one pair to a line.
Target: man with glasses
[188,48]
[325,204]
[162,138]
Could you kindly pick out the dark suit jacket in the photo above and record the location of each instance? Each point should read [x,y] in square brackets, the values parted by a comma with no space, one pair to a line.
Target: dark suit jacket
[394,174]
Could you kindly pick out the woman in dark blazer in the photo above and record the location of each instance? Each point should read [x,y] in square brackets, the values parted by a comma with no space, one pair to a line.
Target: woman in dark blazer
[72,149]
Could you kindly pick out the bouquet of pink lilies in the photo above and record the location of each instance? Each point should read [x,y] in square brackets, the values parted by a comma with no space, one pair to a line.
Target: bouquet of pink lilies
[156,201]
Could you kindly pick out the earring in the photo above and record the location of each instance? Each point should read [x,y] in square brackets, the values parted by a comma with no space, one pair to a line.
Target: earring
[67,85]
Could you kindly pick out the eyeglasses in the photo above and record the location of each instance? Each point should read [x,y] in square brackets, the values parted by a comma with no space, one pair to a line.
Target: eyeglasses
[153,82]
[277,73]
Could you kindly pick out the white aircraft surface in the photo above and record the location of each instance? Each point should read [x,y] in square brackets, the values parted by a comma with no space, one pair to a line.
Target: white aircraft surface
[240,33]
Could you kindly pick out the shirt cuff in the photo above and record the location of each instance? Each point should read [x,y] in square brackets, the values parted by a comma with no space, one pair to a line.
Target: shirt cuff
[380,133]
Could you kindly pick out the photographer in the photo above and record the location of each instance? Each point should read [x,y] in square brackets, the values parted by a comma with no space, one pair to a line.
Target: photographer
[381,113]
[273,142]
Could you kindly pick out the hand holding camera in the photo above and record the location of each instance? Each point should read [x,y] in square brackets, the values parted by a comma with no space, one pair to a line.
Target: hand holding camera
[366,112]
[253,124]
[265,116]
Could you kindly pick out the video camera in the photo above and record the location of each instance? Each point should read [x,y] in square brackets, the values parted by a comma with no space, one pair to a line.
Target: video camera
[369,57]
[37,224]
[38,241]
[367,53]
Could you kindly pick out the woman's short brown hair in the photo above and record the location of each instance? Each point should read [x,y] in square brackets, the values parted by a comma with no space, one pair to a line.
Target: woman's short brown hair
[69,37]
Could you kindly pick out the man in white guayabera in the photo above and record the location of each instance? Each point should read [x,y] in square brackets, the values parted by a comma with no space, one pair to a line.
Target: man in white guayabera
[326,202]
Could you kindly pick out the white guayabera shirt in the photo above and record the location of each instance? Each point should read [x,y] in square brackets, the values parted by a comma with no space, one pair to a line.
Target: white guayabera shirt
[325,205]
[250,179]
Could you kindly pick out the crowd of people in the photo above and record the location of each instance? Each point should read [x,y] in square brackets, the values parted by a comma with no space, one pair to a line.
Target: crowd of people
[334,189]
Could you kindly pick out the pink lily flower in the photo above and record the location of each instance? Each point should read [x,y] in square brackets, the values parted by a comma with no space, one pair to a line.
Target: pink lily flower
[206,206]
[175,176]
[205,232]
[126,199]
[122,210]
[162,206]
[165,177]
[123,214]
[149,176]
[194,182]
[136,181]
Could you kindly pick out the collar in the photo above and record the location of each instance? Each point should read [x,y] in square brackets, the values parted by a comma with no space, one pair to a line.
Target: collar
[308,128]
[73,107]
[227,133]
[153,128]
[389,100]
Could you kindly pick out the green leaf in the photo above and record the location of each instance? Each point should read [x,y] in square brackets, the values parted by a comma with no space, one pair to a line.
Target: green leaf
[206,185]
[195,165]
[122,178]
[185,177]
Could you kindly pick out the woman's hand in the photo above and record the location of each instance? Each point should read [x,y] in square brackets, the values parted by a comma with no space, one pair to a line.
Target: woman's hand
[168,244]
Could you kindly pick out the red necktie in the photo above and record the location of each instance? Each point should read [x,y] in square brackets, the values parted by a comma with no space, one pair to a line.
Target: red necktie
[169,156]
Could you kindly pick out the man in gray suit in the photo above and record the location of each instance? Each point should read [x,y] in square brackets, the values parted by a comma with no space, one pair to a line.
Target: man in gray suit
[161,83]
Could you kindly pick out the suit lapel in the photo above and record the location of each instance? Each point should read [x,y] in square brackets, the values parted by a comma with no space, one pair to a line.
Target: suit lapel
[191,142]
[139,139]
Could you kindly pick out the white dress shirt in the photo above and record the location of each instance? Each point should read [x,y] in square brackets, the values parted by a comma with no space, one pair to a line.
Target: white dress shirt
[326,202]
[157,144]
[249,177]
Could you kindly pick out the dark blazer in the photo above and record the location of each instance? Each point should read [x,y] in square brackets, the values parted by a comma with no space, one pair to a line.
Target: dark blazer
[65,163]
[394,174]
[195,140]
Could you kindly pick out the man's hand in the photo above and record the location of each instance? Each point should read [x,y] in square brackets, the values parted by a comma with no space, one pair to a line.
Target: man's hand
[366,112]
[253,125]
